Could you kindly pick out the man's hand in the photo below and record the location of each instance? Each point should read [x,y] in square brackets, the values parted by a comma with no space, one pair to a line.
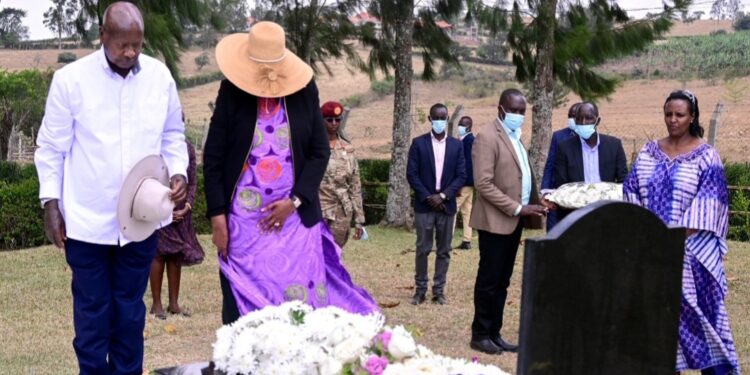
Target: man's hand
[278,212]
[434,200]
[546,203]
[178,184]
[54,224]
[220,235]
[534,210]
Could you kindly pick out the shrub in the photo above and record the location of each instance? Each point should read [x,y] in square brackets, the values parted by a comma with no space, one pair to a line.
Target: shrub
[21,217]
[202,60]
[11,172]
[374,176]
[739,201]
[201,224]
[197,80]
[66,57]
[383,87]
[353,101]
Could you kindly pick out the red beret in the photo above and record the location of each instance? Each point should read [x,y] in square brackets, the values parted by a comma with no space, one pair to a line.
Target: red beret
[332,109]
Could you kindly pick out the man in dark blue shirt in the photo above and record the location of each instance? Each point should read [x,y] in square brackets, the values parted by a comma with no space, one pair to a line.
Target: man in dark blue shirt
[548,180]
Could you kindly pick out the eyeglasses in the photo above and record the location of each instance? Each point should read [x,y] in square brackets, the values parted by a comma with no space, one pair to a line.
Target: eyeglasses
[333,119]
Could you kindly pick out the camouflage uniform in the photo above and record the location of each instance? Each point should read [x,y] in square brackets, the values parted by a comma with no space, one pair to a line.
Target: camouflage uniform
[341,192]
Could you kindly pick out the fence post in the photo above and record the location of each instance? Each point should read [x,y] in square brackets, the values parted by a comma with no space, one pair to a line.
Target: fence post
[714,124]
[342,124]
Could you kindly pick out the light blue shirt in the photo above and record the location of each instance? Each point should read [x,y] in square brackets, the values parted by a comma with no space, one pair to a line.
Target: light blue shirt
[515,139]
[590,161]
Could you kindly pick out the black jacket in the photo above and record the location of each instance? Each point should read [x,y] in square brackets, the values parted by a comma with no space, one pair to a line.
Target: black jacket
[230,137]
[569,161]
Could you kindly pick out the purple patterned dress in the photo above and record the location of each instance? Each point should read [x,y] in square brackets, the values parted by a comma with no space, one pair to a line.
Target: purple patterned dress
[297,263]
[690,191]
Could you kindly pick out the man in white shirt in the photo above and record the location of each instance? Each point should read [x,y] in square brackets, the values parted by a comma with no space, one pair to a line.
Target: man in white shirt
[104,113]
[436,171]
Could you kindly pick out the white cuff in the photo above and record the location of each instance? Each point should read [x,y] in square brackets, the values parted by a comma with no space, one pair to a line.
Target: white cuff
[518,210]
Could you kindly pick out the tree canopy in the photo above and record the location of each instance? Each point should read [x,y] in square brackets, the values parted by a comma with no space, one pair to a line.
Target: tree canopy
[12,29]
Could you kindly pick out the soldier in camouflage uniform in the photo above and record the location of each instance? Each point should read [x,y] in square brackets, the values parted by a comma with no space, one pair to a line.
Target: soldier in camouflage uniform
[340,190]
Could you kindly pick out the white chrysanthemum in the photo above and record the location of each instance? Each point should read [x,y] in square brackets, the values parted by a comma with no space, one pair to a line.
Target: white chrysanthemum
[402,344]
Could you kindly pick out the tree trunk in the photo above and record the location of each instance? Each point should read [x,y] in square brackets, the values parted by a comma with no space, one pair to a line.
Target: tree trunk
[398,205]
[6,128]
[543,93]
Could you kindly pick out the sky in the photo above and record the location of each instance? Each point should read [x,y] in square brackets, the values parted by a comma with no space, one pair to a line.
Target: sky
[36,8]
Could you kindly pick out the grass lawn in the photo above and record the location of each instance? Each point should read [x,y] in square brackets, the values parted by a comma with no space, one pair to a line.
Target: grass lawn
[36,310]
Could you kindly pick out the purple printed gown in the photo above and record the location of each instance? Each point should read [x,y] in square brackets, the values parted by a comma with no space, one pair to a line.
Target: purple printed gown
[690,191]
[297,263]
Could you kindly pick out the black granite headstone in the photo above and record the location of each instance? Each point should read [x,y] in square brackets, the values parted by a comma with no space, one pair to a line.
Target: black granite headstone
[601,294]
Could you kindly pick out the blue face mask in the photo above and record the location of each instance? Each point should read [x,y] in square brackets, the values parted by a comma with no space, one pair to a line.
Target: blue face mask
[438,126]
[585,131]
[512,121]
[571,123]
[461,131]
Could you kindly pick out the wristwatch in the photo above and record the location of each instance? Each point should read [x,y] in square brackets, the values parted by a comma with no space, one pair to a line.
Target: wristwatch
[296,201]
[443,196]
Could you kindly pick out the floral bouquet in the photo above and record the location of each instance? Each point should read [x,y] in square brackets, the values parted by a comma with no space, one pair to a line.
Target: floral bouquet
[580,194]
[295,339]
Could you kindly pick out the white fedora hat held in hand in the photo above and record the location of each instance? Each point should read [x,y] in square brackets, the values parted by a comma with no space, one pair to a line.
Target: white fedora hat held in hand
[144,199]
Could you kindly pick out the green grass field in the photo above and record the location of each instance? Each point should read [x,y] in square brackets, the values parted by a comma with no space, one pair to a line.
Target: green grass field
[36,310]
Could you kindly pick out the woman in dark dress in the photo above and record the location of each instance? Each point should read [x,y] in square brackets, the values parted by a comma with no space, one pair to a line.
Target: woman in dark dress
[178,246]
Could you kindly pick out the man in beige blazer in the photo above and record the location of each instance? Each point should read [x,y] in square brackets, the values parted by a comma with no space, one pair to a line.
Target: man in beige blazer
[507,200]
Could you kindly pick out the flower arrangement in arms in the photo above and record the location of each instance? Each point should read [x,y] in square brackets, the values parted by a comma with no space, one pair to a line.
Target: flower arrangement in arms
[295,339]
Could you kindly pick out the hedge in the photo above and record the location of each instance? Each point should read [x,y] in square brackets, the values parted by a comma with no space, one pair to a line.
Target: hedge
[22,222]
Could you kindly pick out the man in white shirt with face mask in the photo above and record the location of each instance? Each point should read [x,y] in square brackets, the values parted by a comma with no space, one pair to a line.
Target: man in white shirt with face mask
[436,171]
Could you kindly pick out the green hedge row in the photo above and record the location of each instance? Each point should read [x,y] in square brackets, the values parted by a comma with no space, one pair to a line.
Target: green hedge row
[21,219]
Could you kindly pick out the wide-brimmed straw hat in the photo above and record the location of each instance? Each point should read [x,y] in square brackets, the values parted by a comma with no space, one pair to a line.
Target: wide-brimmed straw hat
[259,63]
[144,201]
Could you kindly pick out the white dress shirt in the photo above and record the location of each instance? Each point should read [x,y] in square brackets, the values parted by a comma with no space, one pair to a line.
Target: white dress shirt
[515,139]
[97,125]
[438,149]
[590,161]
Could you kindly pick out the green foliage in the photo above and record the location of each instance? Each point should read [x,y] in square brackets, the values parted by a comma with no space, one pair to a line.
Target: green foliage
[201,224]
[198,80]
[383,87]
[317,32]
[164,22]
[741,22]
[374,176]
[202,60]
[60,18]
[21,217]
[494,51]
[22,98]
[739,201]
[701,56]
[585,36]
[66,57]
[12,29]
[477,81]
[11,172]
[352,101]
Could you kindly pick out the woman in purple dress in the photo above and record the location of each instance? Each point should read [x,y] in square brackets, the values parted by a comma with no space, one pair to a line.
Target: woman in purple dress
[681,179]
[264,159]
[178,246]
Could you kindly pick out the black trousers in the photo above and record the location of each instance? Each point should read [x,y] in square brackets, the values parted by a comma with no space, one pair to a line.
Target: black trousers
[229,311]
[497,255]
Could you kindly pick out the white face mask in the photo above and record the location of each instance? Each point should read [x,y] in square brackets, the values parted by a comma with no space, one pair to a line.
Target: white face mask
[571,123]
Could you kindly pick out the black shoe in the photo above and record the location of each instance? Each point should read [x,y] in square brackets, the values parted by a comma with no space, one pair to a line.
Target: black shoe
[504,345]
[485,346]
[418,298]
[439,299]
[465,245]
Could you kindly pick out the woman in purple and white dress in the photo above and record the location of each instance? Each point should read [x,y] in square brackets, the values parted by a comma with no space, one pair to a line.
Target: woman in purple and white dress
[681,179]
[265,156]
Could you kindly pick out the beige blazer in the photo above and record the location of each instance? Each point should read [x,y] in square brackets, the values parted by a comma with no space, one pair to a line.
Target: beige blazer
[497,179]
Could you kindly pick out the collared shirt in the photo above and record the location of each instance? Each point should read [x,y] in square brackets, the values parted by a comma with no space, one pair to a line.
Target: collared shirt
[590,161]
[515,139]
[438,149]
[97,125]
